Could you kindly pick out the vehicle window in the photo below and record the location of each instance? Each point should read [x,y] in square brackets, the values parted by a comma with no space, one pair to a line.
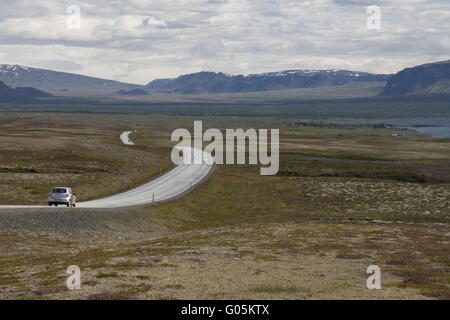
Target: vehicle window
[59,190]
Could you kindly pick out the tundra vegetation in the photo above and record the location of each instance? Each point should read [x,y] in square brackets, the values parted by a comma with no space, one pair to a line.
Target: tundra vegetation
[345,197]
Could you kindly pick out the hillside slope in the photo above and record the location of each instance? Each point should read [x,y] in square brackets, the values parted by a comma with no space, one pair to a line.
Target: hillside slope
[20,94]
[431,78]
[59,83]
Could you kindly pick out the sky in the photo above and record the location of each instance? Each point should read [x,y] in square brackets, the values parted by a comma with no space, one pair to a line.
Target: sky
[138,41]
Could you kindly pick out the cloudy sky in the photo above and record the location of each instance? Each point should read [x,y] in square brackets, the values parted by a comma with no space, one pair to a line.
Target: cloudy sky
[140,40]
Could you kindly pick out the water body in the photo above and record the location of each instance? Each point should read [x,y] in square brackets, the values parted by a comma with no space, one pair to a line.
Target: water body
[437,128]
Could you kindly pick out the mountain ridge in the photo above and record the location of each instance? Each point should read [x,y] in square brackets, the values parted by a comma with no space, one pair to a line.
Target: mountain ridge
[429,78]
[219,82]
[59,83]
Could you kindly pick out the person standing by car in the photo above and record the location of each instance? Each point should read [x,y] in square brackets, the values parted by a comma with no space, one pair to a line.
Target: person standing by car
[74,200]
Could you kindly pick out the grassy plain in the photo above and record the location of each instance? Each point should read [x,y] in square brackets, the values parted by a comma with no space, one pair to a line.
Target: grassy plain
[344,198]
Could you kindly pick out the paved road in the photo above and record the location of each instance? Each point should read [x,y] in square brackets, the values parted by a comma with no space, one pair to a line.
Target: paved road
[169,186]
[125,137]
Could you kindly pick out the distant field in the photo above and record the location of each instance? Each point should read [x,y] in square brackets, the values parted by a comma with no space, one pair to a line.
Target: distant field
[278,106]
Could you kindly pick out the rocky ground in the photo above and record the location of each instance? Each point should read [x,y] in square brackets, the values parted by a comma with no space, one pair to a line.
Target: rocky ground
[345,199]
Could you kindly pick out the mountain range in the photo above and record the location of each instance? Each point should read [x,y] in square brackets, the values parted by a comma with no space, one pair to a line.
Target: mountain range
[218,82]
[30,83]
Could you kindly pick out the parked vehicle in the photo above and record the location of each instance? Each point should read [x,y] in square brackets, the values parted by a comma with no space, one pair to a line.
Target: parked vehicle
[62,195]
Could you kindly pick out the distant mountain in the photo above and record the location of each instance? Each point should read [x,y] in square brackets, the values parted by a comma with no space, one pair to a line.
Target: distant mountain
[20,94]
[60,83]
[217,82]
[431,78]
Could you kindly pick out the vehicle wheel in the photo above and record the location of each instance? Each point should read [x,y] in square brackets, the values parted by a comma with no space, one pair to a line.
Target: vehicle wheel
[68,205]
[49,204]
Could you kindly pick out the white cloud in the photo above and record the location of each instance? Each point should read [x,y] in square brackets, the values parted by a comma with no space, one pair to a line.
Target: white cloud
[139,40]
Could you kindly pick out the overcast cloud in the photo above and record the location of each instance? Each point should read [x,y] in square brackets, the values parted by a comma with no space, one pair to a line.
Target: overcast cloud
[140,40]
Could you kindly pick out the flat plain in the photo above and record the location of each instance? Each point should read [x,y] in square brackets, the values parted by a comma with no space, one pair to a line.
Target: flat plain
[345,197]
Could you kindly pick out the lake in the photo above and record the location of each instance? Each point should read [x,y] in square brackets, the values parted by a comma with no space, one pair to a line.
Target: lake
[437,128]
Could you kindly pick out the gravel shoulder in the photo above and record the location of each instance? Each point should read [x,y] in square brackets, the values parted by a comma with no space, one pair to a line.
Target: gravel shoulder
[128,222]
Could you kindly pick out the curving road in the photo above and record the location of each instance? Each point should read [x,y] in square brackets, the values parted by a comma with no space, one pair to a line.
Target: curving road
[167,187]
[125,137]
